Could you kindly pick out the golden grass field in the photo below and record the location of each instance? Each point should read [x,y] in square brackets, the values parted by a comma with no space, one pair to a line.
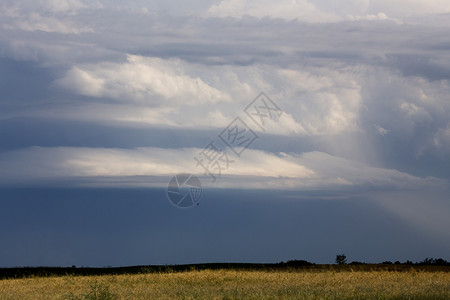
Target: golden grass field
[236,284]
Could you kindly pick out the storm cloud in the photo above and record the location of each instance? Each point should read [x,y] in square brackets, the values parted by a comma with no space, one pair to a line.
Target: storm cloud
[98,94]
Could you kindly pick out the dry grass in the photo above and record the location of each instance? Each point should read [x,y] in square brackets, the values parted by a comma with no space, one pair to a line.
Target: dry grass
[234,284]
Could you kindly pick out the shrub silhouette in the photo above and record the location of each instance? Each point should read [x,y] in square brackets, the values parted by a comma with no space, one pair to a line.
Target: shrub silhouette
[298,263]
[433,261]
[341,259]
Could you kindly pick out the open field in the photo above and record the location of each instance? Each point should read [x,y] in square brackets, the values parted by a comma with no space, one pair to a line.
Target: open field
[237,284]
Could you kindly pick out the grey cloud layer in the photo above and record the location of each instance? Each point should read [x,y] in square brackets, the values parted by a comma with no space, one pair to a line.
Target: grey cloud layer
[259,169]
[377,75]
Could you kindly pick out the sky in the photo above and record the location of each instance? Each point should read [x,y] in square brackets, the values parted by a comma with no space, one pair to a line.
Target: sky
[315,127]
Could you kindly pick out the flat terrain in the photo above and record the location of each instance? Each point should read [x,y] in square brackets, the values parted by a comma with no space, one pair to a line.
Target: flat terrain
[295,283]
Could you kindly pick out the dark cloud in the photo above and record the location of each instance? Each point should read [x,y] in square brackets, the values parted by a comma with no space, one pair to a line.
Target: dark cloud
[420,65]
[101,227]
[17,133]
[23,82]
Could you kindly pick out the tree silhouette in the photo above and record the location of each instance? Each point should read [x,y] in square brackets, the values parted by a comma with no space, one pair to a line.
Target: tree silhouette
[341,259]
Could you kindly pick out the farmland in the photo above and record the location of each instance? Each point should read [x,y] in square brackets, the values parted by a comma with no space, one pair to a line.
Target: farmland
[317,282]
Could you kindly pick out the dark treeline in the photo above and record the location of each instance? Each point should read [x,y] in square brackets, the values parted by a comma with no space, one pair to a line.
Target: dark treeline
[428,264]
[425,262]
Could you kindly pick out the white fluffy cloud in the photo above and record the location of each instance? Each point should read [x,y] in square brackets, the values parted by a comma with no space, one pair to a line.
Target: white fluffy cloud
[441,140]
[45,15]
[328,10]
[302,10]
[143,80]
[316,101]
[406,8]
[286,9]
[404,106]
[323,101]
[254,169]
[38,163]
